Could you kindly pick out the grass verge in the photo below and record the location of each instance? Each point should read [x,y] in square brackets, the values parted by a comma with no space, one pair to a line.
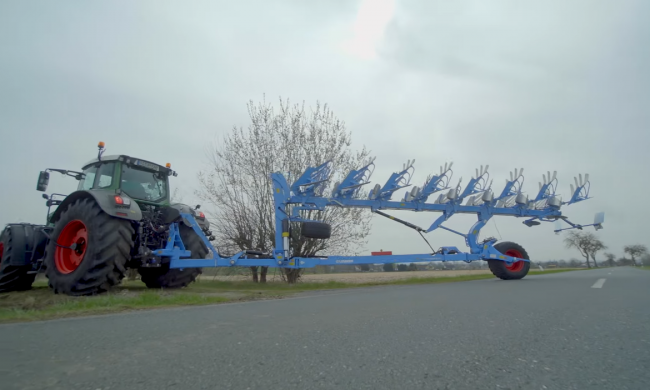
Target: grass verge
[41,304]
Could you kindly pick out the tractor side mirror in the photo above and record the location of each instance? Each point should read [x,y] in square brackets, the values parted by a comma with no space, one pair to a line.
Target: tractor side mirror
[43,181]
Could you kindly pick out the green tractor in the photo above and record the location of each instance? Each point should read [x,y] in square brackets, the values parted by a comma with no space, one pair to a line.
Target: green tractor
[120,212]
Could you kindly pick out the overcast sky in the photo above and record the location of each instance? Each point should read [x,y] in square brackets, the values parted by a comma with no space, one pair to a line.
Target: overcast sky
[543,85]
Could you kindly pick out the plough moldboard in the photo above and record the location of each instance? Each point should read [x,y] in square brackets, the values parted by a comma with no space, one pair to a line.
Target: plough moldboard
[437,194]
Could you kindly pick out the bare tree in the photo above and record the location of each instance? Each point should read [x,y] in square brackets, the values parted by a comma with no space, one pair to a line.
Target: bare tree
[288,140]
[595,247]
[587,244]
[610,259]
[635,251]
[176,197]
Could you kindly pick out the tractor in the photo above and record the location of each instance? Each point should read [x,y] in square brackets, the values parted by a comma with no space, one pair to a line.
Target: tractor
[119,214]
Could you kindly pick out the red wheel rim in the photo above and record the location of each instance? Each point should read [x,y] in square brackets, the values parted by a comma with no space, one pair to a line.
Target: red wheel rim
[66,259]
[2,251]
[517,265]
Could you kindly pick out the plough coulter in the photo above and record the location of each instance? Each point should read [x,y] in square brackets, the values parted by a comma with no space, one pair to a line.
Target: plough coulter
[121,217]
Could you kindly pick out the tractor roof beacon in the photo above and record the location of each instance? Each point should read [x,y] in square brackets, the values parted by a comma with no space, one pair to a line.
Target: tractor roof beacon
[121,217]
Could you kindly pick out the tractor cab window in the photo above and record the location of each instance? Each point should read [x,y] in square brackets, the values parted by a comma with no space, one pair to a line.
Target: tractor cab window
[89,178]
[105,175]
[144,185]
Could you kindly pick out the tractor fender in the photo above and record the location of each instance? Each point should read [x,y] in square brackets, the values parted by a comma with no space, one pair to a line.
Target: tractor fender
[28,243]
[172,213]
[106,201]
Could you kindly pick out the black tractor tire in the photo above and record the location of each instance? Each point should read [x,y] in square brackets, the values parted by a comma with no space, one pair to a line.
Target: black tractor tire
[13,277]
[516,270]
[165,277]
[103,247]
[319,230]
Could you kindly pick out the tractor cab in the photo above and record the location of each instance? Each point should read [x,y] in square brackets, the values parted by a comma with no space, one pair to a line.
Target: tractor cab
[144,182]
[141,180]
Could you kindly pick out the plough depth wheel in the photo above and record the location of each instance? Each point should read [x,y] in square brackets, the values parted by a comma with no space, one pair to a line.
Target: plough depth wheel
[516,270]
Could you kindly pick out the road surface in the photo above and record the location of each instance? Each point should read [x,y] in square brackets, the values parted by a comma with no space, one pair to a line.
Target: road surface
[575,330]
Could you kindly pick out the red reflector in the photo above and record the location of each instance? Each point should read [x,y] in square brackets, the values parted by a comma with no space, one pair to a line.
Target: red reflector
[201,215]
[122,214]
[119,200]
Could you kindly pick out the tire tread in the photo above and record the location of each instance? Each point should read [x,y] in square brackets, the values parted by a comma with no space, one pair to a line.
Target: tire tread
[108,251]
[13,277]
[498,267]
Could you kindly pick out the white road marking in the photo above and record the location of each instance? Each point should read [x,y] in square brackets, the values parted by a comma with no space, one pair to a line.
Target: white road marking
[599,283]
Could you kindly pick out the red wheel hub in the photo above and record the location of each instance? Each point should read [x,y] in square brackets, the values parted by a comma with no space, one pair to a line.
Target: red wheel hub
[71,248]
[517,265]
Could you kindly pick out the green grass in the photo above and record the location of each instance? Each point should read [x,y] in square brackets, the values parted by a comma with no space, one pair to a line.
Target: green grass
[26,308]
[41,304]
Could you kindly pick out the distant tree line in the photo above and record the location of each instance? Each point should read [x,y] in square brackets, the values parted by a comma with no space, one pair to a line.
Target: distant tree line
[589,245]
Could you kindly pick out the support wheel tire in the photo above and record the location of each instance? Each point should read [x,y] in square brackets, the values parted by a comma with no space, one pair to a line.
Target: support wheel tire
[516,270]
[12,277]
[319,230]
[92,252]
[165,277]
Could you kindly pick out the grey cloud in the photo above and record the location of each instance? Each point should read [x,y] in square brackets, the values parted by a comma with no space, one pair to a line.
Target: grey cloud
[557,85]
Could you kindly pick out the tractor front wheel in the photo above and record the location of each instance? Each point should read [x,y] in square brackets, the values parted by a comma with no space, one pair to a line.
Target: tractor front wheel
[13,277]
[165,277]
[516,270]
[88,250]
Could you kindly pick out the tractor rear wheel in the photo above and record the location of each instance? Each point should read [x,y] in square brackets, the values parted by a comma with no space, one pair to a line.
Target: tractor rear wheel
[13,277]
[165,277]
[516,270]
[88,250]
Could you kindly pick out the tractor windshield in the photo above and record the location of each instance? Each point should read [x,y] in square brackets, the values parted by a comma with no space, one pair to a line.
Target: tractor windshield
[144,185]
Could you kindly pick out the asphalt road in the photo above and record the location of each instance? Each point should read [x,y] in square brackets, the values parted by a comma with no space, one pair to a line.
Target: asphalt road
[560,331]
